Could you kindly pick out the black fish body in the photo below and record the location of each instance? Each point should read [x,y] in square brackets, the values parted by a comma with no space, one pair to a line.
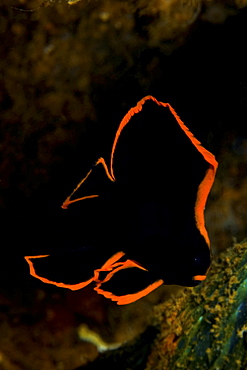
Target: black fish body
[143,213]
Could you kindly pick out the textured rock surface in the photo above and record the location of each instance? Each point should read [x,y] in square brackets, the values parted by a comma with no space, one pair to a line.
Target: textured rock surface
[206,327]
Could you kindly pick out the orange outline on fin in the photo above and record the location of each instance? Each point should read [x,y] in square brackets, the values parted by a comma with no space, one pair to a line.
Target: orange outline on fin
[47,281]
[204,186]
[67,201]
[199,277]
[120,266]
[207,182]
[129,298]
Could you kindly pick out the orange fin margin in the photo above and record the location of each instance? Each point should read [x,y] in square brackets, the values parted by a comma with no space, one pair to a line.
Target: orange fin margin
[199,277]
[68,201]
[47,281]
[128,298]
[205,185]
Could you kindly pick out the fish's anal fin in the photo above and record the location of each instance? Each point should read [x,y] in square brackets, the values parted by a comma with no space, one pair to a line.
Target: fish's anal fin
[129,298]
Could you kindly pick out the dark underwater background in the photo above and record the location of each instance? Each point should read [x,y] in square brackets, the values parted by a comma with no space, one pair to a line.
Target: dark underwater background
[68,75]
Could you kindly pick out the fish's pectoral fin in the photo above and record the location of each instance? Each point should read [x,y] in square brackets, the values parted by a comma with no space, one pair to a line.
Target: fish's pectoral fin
[31,262]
